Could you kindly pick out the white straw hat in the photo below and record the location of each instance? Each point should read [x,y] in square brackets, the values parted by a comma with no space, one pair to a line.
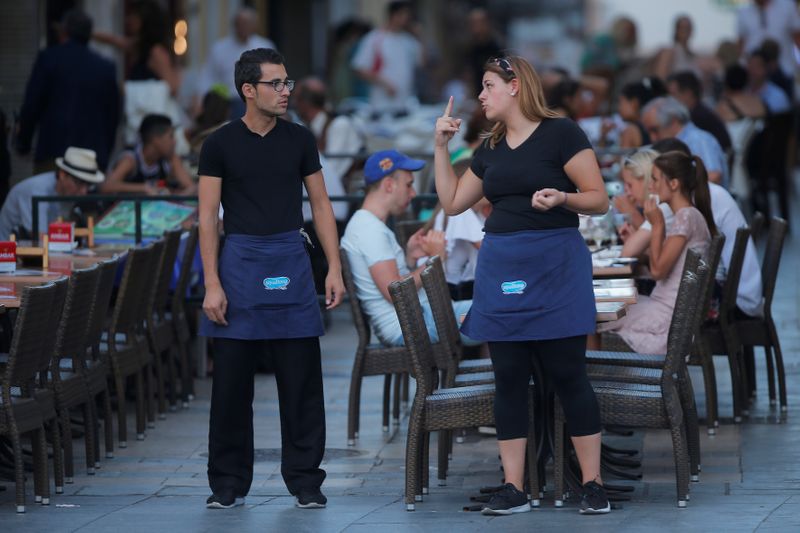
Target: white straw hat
[81,163]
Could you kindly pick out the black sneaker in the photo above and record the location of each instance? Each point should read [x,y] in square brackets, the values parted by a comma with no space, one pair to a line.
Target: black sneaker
[507,500]
[224,500]
[594,499]
[310,499]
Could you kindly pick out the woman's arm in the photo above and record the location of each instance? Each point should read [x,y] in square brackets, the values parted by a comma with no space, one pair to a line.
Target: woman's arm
[456,195]
[592,198]
[636,243]
[664,251]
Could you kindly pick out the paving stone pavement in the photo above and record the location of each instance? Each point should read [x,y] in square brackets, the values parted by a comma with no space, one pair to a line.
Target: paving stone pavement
[750,479]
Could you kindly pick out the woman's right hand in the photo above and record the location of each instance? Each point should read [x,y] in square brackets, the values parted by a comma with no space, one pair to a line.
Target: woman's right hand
[623,204]
[446,126]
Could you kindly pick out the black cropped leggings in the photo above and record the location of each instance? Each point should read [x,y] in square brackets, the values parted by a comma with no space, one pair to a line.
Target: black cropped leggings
[563,362]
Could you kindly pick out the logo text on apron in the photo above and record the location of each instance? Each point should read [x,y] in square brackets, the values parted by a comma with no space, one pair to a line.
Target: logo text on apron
[279,283]
[513,287]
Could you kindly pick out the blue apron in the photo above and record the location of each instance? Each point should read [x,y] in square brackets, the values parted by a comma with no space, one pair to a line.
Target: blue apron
[270,290]
[532,285]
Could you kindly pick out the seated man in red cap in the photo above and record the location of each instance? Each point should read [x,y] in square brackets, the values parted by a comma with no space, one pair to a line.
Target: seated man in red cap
[75,173]
[376,258]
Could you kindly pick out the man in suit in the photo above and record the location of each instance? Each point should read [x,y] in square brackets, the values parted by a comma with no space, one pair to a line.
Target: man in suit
[72,98]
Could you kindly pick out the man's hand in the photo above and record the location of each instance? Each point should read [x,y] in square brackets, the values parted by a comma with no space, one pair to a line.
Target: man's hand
[215,304]
[414,247]
[334,289]
[433,243]
[446,126]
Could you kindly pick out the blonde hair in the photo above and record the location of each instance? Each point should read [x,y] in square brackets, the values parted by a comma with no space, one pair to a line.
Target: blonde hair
[640,164]
[531,95]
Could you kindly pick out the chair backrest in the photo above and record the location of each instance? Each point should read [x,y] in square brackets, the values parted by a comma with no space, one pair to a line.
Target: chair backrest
[415,334]
[772,259]
[359,317]
[74,327]
[404,229]
[730,290]
[31,330]
[711,258]
[151,274]
[435,284]
[182,284]
[46,356]
[684,316]
[165,266]
[98,313]
[756,225]
[128,308]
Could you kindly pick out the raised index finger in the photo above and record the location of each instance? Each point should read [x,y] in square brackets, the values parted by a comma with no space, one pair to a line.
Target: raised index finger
[448,109]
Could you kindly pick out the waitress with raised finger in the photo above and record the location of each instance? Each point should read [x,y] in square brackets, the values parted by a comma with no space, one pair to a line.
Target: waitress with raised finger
[533,299]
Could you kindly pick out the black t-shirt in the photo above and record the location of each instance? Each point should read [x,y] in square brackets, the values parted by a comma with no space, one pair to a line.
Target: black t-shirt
[510,177]
[262,177]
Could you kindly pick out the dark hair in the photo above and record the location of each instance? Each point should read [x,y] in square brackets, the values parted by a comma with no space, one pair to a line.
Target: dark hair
[154,29]
[736,77]
[476,124]
[687,81]
[562,91]
[77,25]
[644,90]
[153,126]
[691,173]
[312,96]
[397,6]
[770,49]
[671,144]
[761,54]
[216,109]
[248,67]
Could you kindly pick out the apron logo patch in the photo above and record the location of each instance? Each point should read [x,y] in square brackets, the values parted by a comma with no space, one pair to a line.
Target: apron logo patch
[513,287]
[280,283]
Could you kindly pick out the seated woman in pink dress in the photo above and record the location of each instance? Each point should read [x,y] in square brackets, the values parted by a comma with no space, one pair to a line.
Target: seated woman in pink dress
[682,182]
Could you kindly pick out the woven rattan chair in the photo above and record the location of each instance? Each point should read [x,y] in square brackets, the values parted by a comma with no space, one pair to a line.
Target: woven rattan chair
[720,337]
[147,359]
[457,370]
[760,331]
[404,229]
[371,359]
[178,317]
[757,225]
[19,412]
[97,367]
[160,331]
[68,381]
[126,347]
[643,406]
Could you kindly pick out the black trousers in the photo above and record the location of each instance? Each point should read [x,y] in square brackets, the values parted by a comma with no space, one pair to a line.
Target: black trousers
[298,372]
[563,362]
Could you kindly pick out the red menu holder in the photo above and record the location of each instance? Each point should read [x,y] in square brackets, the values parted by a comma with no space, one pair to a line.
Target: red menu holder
[8,256]
[62,236]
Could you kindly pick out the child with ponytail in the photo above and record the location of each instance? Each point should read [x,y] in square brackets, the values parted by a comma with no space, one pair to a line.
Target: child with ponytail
[682,182]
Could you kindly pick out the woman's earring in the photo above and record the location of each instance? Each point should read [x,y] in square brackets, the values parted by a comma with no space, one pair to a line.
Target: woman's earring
[512,93]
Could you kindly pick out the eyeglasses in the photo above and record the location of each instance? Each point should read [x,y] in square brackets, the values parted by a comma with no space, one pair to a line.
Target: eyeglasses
[504,64]
[278,85]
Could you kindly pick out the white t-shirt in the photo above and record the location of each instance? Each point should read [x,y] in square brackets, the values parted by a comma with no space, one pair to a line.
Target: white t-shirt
[343,136]
[400,53]
[367,241]
[222,59]
[780,20]
[461,233]
[334,187]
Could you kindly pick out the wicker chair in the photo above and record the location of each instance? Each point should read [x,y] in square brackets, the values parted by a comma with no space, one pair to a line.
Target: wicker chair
[645,406]
[147,359]
[760,331]
[178,318]
[757,225]
[67,370]
[97,367]
[457,370]
[370,359]
[160,331]
[19,412]
[720,337]
[126,348]
[404,229]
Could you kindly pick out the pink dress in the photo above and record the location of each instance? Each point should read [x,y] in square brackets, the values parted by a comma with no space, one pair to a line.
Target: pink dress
[646,325]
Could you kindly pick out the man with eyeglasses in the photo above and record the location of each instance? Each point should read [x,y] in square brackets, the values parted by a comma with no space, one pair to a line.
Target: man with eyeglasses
[259,290]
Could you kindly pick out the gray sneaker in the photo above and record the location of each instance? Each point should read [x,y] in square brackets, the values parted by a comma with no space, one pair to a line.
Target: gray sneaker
[506,501]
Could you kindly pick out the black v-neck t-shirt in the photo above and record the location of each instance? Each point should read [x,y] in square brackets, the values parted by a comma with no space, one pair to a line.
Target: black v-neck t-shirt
[262,177]
[510,177]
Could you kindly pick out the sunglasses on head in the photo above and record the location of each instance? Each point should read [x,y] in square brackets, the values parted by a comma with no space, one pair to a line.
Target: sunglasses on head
[504,64]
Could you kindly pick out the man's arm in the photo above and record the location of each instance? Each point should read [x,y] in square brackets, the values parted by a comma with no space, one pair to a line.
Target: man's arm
[215,303]
[325,225]
[115,182]
[385,272]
